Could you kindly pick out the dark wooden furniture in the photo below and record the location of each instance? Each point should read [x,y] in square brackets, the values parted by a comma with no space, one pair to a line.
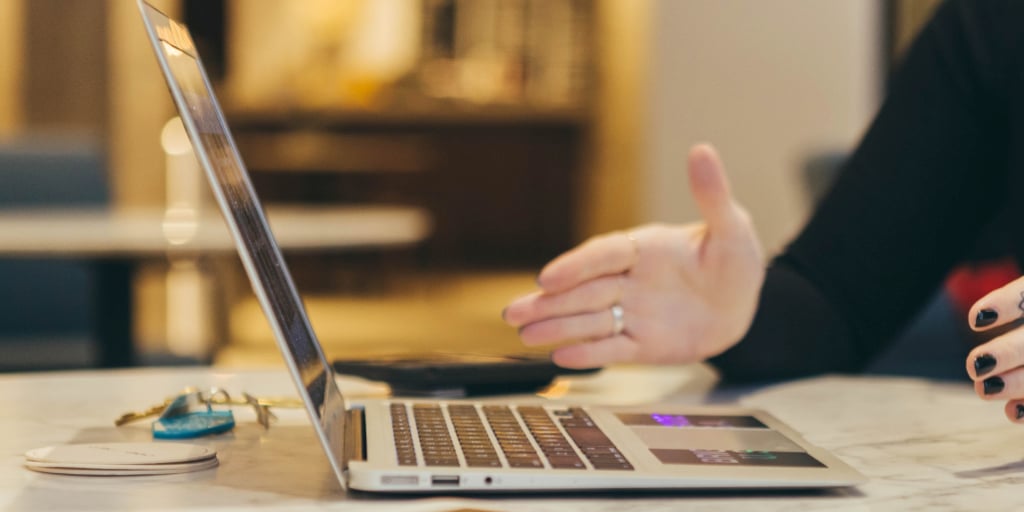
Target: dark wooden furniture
[500,184]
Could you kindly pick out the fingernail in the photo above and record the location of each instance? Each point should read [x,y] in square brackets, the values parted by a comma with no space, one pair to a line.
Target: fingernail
[993,385]
[985,317]
[504,309]
[984,364]
[1020,411]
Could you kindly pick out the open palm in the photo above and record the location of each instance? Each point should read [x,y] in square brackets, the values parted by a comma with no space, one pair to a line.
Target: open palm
[657,294]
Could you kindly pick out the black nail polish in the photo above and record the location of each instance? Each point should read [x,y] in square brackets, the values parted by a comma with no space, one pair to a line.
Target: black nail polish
[984,364]
[1020,411]
[985,317]
[993,385]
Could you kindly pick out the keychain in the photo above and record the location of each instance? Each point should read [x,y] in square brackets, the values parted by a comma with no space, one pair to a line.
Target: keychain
[185,417]
[261,406]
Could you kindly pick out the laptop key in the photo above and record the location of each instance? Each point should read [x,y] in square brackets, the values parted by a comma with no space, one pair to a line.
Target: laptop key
[484,463]
[572,462]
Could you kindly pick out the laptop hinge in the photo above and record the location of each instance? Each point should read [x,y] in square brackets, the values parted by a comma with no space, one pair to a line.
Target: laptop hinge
[355,434]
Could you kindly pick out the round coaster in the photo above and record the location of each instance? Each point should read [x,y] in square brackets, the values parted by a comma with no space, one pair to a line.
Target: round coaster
[140,470]
[70,455]
[175,467]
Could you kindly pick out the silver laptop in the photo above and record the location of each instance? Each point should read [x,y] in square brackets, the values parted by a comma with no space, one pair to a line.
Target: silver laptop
[436,446]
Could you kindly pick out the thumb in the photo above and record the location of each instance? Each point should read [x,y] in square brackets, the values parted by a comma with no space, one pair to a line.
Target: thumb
[710,189]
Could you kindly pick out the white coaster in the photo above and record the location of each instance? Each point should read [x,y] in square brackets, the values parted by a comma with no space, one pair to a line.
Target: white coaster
[143,454]
[185,466]
[141,470]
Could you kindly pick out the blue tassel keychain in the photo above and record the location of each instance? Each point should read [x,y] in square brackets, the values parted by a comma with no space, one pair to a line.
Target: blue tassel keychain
[182,420]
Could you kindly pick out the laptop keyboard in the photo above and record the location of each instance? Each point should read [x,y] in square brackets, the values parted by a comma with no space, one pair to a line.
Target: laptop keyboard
[493,436]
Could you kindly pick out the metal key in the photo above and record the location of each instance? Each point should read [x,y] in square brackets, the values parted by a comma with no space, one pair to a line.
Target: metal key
[263,414]
[285,402]
[153,410]
[260,405]
[129,417]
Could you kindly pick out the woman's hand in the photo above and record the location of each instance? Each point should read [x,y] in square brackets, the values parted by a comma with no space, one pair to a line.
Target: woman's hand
[997,367]
[657,294]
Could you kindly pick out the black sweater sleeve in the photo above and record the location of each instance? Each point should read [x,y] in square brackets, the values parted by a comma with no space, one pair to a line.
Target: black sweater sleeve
[929,174]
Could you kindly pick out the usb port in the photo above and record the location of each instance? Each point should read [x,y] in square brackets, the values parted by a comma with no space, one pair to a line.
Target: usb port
[444,480]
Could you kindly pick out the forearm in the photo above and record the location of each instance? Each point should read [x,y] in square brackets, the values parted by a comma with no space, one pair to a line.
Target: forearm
[795,332]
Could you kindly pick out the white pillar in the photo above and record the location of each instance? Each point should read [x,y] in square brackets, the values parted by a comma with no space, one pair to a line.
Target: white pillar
[191,310]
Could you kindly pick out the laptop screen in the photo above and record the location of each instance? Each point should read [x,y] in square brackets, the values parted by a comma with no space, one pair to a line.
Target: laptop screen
[257,247]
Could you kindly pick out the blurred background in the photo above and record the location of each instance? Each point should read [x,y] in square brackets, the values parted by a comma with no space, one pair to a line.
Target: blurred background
[510,130]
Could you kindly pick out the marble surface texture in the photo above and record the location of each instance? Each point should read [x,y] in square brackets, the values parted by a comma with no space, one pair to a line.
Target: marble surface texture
[923,445]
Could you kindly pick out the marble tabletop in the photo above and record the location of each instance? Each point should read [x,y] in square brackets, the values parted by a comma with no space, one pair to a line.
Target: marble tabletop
[923,445]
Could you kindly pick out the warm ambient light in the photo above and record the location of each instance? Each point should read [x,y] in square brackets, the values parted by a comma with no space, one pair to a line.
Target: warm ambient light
[174,139]
[189,292]
[180,219]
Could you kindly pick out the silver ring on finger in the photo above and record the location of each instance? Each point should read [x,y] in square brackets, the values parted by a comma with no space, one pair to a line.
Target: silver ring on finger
[618,319]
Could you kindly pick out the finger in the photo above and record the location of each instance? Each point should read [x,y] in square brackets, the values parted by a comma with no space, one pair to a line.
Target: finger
[586,326]
[522,310]
[594,354]
[593,295]
[1001,354]
[710,189]
[999,307]
[1015,410]
[604,255]
[1007,385]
